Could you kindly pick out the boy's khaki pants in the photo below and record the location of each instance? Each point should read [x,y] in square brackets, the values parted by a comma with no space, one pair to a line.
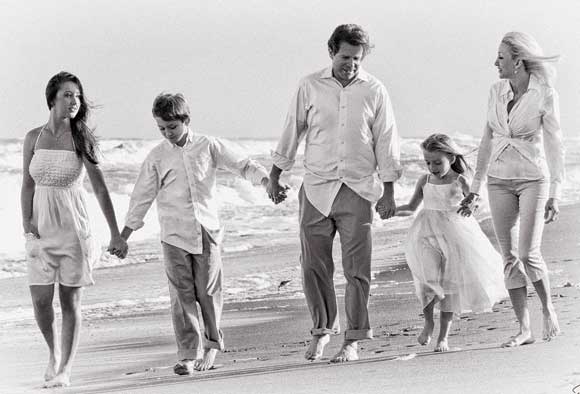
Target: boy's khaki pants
[195,278]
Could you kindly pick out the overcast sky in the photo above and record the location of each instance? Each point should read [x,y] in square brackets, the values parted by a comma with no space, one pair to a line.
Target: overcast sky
[238,61]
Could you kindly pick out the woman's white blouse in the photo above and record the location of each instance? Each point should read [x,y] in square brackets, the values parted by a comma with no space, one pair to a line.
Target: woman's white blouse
[527,142]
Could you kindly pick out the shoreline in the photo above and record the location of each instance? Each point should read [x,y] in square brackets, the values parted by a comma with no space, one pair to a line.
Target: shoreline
[266,338]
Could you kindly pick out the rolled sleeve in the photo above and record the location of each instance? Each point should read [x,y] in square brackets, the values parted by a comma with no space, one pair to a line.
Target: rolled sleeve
[386,135]
[234,161]
[555,152]
[144,193]
[294,130]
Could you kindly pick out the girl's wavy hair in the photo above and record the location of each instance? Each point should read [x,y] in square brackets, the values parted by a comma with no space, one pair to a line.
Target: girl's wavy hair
[86,144]
[444,144]
[524,47]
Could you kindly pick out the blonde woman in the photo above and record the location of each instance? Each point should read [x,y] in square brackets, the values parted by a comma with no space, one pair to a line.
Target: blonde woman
[521,156]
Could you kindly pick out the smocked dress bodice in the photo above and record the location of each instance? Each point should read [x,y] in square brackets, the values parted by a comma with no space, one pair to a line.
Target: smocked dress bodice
[56,168]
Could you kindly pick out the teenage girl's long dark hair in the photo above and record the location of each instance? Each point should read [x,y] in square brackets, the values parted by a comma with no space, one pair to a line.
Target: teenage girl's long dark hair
[86,144]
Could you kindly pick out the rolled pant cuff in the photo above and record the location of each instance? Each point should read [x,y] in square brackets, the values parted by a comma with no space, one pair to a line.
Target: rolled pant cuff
[219,344]
[189,354]
[357,335]
[324,331]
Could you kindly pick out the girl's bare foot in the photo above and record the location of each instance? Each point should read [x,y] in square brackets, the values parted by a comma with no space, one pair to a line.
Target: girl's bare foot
[551,326]
[425,337]
[207,361]
[442,345]
[60,380]
[316,347]
[348,352]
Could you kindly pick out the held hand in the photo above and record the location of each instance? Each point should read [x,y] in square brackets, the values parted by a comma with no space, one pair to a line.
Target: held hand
[276,191]
[386,207]
[118,247]
[469,205]
[551,211]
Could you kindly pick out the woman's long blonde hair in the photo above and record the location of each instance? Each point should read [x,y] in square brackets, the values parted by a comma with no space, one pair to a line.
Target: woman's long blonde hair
[524,47]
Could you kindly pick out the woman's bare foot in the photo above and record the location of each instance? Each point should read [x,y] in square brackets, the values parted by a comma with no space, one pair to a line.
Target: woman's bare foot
[60,380]
[51,369]
[551,326]
[207,361]
[425,337]
[522,338]
[442,345]
[316,347]
[348,352]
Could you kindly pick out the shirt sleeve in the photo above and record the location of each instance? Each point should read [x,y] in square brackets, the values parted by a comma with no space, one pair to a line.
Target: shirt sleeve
[294,131]
[231,159]
[553,143]
[144,193]
[386,136]
[483,152]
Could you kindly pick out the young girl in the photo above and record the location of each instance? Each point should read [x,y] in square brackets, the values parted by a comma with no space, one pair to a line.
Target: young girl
[451,259]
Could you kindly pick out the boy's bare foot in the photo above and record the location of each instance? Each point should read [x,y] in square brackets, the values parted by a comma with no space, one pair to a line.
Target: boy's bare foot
[551,326]
[51,368]
[184,367]
[60,380]
[348,352]
[207,361]
[442,345]
[425,337]
[316,347]
[523,338]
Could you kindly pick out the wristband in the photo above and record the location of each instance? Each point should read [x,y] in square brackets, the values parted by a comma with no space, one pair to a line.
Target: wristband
[30,236]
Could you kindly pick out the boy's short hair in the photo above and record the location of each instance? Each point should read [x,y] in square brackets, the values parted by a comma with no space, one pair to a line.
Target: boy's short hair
[170,107]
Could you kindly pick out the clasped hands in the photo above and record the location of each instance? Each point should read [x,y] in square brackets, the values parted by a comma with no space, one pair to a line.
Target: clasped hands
[118,247]
[469,205]
[276,191]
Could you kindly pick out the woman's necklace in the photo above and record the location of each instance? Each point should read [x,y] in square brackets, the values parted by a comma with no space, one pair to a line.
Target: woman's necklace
[56,137]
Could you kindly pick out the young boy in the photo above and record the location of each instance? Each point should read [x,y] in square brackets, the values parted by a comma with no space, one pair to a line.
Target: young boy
[180,173]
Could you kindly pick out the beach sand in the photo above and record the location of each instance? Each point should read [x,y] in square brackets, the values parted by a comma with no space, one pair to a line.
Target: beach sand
[133,352]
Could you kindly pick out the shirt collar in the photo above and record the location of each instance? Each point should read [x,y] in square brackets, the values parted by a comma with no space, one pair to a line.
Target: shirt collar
[533,84]
[361,75]
[188,140]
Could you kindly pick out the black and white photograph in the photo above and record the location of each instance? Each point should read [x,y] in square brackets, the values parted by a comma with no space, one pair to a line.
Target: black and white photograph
[252,196]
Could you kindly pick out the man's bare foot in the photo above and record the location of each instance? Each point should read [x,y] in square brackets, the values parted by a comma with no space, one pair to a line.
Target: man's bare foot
[522,338]
[207,361]
[442,345]
[348,352]
[425,337]
[60,380]
[184,367]
[551,326]
[316,347]
[51,369]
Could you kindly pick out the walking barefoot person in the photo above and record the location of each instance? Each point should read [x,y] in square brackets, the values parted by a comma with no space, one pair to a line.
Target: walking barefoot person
[344,114]
[452,261]
[522,156]
[180,173]
[59,242]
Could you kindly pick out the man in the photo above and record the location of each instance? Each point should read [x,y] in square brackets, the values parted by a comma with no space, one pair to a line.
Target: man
[345,116]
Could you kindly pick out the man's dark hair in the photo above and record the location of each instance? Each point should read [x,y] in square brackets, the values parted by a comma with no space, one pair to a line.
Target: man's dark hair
[351,34]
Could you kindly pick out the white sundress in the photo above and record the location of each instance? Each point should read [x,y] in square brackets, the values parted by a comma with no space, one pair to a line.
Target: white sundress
[449,254]
[66,251]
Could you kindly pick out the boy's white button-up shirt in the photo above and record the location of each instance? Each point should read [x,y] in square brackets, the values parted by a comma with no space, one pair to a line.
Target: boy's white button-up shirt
[350,137]
[183,180]
[527,142]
